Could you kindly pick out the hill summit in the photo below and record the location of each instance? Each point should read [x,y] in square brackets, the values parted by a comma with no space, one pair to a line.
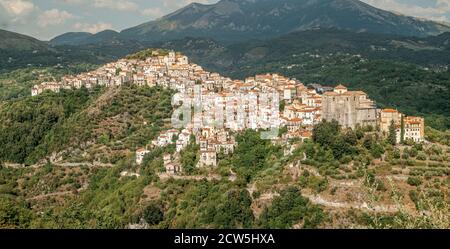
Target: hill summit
[231,20]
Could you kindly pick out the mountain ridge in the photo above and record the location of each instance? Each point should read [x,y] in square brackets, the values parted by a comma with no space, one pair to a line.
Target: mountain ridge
[234,21]
[16,41]
[231,19]
[84,38]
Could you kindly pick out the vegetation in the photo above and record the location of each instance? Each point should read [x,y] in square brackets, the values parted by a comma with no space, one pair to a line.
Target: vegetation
[392,137]
[18,83]
[253,154]
[190,157]
[101,198]
[153,214]
[289,209]
[144,54]
[123,118]
[25,123]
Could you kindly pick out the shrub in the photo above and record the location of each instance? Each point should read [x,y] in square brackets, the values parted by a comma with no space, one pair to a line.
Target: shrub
[421,156]
[418,147]
[290,208]
[377,151]
[396,153]
[405,155]
[413,152]
[414,181]
[345,160]
[434,150]
[436,158]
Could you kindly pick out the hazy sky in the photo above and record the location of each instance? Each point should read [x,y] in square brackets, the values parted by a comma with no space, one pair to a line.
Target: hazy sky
[45,19]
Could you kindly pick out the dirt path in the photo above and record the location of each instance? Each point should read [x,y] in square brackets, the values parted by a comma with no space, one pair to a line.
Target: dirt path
[165,177]
[319,200]
[95,164]
[44,196]
[40,165]
[61,193]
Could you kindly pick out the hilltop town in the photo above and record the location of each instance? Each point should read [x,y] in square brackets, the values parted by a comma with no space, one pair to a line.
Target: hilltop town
[300,106]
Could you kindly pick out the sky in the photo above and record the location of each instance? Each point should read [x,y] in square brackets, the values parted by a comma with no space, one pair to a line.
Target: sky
[45,19]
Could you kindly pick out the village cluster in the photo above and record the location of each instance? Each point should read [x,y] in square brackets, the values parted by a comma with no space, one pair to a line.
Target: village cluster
[302,106]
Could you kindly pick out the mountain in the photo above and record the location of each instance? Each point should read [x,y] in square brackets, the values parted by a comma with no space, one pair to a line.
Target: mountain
[20,51]
[442,40]
[237,20]
[71,38]
[233,59]
[14,41]
[84,38]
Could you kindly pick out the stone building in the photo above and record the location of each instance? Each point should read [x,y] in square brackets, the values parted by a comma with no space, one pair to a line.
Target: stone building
[386,118]
[208,158]
[414,129]
[140,154]
[349,108]
[170,166]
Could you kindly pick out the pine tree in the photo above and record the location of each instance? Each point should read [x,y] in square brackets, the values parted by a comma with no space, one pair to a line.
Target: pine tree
[402,132]
[392,138]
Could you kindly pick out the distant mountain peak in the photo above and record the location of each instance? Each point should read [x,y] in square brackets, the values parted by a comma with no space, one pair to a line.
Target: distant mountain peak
[246,19]
[14,41]
[238,20]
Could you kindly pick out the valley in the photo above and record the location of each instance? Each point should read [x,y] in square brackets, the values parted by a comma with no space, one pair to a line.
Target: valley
[237,114]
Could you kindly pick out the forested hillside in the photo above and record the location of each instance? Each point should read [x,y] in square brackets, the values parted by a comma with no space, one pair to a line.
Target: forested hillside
[322,183]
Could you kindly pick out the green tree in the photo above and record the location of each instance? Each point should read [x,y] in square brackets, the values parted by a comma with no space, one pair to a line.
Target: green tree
[402,128]
[153,214]
[291,208]
[190,157]
[340,148]
[253,154]
[392,137]
[325,132]
[235,211]
[350,137]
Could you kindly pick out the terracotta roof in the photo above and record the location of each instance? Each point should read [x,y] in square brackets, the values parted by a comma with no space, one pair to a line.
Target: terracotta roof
[340,87]
[306,134]
[140,150]
[389,110]
[330,94]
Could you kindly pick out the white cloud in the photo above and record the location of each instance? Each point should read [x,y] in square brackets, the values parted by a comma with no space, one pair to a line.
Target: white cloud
[443,4]
[167,6]
[17,7]
[182,3]
[153,12]
[438,11]
[71,1]
[16,12]
[92,27]
[124,5]
[53,17]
